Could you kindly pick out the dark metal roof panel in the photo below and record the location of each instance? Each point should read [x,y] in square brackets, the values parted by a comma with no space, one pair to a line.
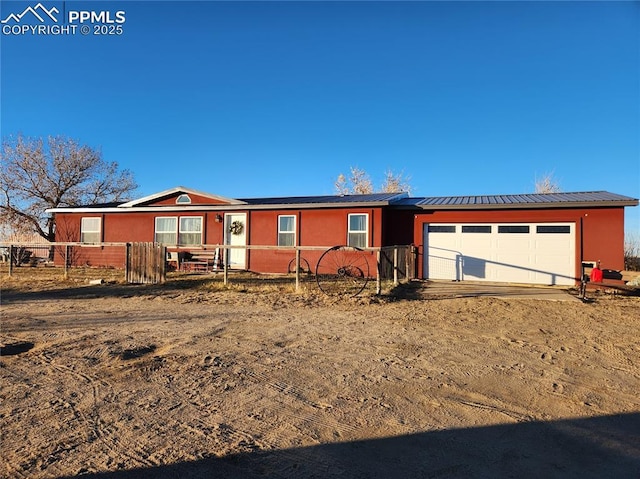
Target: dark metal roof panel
[112,204]
[325,200]
[557,199]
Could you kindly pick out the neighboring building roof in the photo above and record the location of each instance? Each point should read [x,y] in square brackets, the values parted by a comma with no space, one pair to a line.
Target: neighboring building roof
[533,200]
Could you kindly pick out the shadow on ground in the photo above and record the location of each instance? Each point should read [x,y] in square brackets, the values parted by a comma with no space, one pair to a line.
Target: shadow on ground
[598,447]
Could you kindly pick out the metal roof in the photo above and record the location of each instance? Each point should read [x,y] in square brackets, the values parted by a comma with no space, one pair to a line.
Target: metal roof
[551,200]
[400,200]
[326,200]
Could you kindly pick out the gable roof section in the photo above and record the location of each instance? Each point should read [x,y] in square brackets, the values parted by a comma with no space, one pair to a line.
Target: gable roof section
[522,201]
[178,190]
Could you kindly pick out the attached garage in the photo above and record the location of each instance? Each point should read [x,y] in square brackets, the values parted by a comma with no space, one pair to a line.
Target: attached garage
[531,238]
[538,253]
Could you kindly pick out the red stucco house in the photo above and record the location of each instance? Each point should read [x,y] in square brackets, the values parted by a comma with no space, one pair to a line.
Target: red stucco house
[535,238]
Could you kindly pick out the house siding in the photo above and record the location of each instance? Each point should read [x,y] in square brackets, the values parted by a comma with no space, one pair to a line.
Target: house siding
[321,227]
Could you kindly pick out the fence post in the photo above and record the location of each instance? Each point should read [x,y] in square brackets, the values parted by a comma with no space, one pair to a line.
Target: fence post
[127,261]
[66,261]
[395,265]
[162,257]
[297,269]
[225,265]
[379,265]
[10,260]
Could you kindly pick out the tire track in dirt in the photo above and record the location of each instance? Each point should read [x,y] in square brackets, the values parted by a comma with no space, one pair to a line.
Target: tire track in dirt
[313,419]
[47,389]
[182,406]
[236,439]
[98,426]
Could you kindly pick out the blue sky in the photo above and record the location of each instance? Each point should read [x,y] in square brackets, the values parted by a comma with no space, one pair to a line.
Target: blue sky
[248,99]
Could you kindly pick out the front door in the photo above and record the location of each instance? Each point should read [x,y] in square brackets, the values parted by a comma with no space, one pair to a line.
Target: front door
[235,227]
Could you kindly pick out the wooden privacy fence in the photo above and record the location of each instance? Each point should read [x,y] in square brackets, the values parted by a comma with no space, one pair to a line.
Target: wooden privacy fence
[146,263]
[397,262]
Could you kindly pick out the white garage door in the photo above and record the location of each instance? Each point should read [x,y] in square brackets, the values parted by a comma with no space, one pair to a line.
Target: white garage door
[538,253]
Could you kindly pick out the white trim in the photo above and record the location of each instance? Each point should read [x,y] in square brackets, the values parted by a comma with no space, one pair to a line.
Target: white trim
[185,197]
[201,218]
[99,230]
[365,231]
[155,229]
[295,236]
[219,207]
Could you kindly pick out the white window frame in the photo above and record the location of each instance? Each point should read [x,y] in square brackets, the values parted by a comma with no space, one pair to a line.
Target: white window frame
[85,231]
[364,232]
[174,231]
[181,231]
[287,232]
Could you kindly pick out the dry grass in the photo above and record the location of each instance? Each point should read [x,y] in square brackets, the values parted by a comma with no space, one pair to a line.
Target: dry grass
[45,278]
[35,279]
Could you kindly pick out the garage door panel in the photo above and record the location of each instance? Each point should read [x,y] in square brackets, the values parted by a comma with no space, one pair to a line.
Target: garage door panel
[474,268]
[444,256]
[529,253]
[513,267]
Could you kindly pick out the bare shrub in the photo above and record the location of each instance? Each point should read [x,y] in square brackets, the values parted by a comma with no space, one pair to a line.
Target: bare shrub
[632,252]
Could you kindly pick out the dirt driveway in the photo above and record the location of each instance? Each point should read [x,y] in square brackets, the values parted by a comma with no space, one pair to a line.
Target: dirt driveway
[126,382]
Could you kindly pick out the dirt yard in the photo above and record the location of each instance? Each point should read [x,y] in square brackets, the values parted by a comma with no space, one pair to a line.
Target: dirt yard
[194,380]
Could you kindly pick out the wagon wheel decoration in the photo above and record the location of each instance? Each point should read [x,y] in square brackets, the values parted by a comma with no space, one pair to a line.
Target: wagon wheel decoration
[304,266]
[342,270]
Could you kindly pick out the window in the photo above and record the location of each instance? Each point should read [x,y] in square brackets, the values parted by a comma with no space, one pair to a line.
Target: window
[90,230]
[357,234]
[190,230]
[561,229]
[183,200]
[442,229]
[513,229]
[189,233]
[286,230]
[166,229]
[476,228]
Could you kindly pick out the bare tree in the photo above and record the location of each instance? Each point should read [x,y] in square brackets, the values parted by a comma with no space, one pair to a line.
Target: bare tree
[342,186]
[36,176]
[547,184]
[359,183]
[395,182]
[632,252]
